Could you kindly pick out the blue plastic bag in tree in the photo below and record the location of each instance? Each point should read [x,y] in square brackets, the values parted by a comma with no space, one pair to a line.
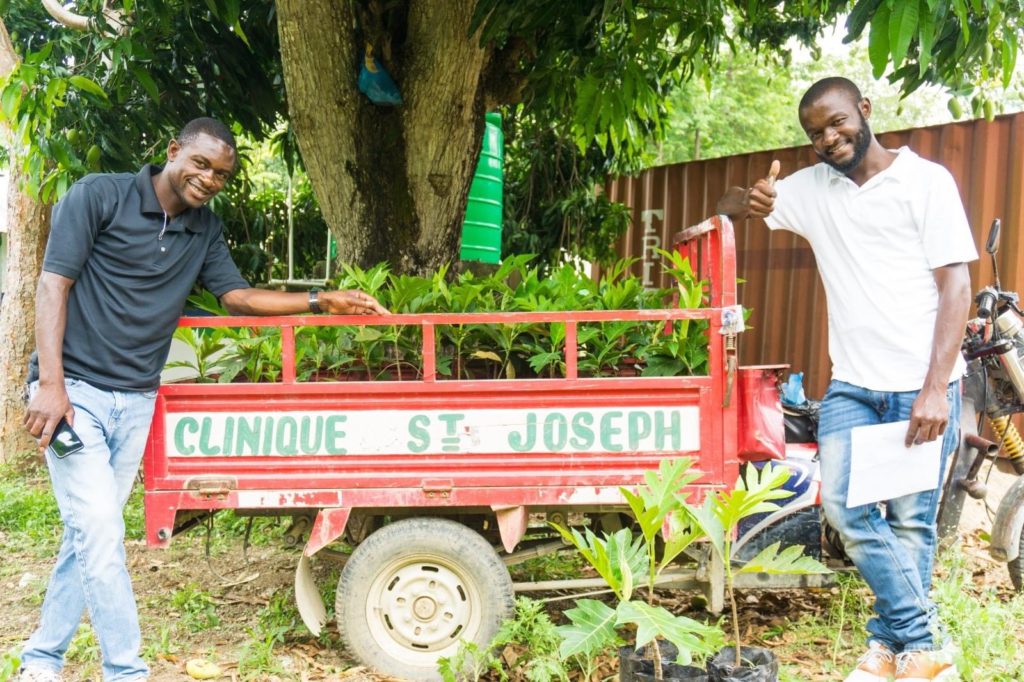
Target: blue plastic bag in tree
[376,83]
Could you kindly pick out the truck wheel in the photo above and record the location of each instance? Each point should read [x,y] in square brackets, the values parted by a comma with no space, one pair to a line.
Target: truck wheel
[413,589]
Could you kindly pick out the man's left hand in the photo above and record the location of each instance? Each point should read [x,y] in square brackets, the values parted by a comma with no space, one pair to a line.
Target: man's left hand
[350,302]
[929,416]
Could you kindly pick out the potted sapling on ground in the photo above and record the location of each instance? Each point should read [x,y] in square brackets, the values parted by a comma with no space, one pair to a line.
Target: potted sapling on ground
[719,517]
[666,644]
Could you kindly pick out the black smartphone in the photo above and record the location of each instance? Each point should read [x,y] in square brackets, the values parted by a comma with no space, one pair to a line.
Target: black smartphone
[65,441]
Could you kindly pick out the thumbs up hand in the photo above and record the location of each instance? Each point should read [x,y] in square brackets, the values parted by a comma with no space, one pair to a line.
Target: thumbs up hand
[757,201]
[760,199]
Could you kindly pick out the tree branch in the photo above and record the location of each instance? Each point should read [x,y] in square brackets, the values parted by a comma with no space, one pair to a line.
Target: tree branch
[79,22]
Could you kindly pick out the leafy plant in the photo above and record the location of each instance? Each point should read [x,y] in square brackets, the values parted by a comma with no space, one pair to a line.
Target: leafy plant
[9,664]
[719,517]
[626,562]
[207,346]
[196,606]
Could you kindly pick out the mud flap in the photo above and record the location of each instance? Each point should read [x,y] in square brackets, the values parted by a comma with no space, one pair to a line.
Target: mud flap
[307,597]
[1006,529]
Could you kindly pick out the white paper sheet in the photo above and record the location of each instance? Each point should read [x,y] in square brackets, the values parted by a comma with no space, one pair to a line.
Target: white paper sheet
[883,468]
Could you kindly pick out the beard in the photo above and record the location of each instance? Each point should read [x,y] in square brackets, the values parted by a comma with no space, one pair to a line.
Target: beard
[861,142]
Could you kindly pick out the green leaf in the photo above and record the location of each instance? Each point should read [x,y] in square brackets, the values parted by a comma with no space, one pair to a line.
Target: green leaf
[690,636]
[146,81]
[878,41]
[683,532]
[709,523]
[925,36]
[790,561]
[902,29]
[658,497]
[858,18]
[1009,56]
[88,85]
[10,102]
[960,8]
[617,558]
[591,629]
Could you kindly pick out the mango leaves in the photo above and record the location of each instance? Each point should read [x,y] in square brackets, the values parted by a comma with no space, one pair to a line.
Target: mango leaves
[969,46]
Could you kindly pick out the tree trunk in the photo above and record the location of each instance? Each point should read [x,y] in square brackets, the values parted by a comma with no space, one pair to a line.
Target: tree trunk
[391,181]
[28,224]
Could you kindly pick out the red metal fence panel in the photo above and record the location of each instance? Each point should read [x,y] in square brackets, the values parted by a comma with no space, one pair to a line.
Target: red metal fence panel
[780,280]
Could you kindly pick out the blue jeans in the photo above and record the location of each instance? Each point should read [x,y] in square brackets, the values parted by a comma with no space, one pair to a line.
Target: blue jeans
[91,487]
[894,551]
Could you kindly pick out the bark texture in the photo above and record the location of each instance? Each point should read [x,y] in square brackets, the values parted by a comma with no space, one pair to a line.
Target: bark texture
[391,181]
[28,224]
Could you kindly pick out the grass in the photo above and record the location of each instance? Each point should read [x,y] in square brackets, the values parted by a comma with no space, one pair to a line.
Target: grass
[987,626]
[28,513]
[196,607]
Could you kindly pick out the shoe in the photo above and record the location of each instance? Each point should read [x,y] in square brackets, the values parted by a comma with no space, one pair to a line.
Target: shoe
[36,673]
[922,666]
[878,664]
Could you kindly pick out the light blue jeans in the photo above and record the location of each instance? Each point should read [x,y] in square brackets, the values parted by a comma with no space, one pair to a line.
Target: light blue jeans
[91,487]
[893,551]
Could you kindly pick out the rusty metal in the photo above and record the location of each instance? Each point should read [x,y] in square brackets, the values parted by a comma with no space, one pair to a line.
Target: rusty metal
[780,280]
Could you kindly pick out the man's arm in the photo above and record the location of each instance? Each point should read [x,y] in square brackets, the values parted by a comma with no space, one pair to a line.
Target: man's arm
[929,415]
[264,302]
[757,201]
[50,402]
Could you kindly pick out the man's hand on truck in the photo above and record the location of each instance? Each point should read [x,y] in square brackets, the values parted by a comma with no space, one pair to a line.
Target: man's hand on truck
[350,302]
[756,201]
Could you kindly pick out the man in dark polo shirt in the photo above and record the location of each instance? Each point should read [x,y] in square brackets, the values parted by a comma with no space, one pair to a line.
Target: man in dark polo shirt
[123,254]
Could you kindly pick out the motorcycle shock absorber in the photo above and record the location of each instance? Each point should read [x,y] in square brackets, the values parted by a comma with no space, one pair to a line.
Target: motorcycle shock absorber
[1011,441]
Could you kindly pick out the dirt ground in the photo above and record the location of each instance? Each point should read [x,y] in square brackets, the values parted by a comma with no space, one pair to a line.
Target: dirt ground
[251,602]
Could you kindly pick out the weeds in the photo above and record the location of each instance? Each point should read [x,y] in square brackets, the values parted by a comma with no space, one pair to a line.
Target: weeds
[985,626]
[164,646]
[9,663]
[84,647]
[28,513]
[257,660]
[525,648]
[196,606]
[849,611]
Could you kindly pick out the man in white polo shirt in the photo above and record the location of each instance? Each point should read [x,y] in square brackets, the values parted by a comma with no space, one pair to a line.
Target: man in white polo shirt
[892,243]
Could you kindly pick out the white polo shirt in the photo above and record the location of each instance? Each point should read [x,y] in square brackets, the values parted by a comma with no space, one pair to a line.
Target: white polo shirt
[876,247]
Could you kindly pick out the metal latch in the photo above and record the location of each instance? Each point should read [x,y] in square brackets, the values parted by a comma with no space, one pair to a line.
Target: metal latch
[211,487]
[732,325]
[438,487]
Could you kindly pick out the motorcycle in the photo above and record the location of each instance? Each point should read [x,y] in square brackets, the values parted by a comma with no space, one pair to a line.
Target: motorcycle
[993,391]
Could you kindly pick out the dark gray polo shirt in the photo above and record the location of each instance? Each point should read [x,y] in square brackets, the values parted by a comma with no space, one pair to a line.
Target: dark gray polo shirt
[131,276]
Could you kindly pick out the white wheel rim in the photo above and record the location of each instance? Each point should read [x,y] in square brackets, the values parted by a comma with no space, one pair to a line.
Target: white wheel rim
[419,606]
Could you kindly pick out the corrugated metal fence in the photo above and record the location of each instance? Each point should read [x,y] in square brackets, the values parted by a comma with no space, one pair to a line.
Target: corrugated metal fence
[781,282]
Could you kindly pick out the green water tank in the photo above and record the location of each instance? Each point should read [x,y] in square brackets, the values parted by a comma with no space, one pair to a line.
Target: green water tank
[481,228]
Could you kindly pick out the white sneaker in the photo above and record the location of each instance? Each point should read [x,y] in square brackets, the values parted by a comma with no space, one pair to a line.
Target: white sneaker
[37,673]
[877,664]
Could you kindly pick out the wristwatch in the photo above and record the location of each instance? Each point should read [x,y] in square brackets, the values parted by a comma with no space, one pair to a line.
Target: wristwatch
[314,301]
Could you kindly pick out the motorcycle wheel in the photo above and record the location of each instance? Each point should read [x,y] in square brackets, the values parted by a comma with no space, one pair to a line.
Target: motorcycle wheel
[953,495]
[1016,568]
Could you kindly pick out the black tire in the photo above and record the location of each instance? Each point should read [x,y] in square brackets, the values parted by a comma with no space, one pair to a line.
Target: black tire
[413,589]
[831,542]
[1016,568]
[953,495]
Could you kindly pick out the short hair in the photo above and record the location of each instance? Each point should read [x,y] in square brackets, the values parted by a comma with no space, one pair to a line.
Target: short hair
[830,84]
[208,126]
